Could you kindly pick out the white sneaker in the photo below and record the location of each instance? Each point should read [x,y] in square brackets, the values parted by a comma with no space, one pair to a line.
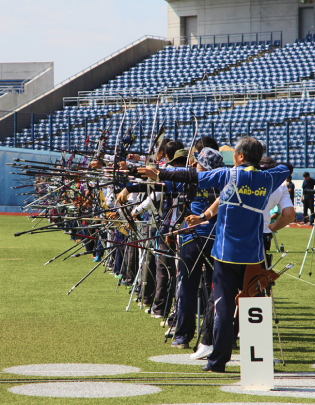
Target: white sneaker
[154,315]
[203,351]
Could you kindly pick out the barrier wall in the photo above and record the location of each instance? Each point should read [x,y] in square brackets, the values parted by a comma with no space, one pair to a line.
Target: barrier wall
[9,202]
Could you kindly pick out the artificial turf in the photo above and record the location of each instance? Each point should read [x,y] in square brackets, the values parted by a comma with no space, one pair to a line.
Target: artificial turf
[41,324]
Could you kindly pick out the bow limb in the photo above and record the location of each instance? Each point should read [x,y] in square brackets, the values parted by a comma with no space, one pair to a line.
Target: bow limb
[194,138]
[116,144]
[154,122]
[157,215]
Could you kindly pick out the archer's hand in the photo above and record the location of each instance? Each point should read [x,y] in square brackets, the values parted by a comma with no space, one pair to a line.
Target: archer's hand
[95,165]
[122,196]
[148,171]
[123,166]
[168,241]
[193,220]
[113,215]
[134,157]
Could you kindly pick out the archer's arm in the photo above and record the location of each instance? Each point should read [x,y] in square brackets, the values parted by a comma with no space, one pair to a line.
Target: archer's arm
[288,215]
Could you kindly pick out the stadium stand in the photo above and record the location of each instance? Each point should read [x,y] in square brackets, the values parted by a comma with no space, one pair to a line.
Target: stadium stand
[238,89]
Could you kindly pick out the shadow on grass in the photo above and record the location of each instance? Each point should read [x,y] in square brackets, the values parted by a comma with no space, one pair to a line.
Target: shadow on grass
[294,319]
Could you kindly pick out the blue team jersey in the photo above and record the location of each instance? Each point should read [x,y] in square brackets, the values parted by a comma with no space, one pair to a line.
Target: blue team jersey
[244,193]
[198,206]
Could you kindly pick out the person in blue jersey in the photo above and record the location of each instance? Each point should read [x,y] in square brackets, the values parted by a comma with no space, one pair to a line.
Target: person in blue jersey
[244,192]
[194,251]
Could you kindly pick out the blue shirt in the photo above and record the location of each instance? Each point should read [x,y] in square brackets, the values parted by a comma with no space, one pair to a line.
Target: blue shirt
[198,206]
[239,230]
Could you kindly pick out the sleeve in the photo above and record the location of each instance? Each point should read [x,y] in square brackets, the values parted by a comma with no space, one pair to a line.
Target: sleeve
[146,204]
[141,188]
[285,200]
[215,178]
[179,176]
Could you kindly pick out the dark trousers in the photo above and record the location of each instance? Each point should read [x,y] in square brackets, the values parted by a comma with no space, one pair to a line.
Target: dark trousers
[207,323]
[165,271]
[133,264]
[148,274]
[309,205]
[148,279]
[227,279]
[188,283]
[118,260]
[99,251]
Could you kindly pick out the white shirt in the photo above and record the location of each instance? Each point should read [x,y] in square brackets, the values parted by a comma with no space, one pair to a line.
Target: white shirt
[280,197]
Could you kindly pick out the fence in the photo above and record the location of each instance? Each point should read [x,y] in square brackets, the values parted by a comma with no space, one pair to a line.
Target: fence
[228,39]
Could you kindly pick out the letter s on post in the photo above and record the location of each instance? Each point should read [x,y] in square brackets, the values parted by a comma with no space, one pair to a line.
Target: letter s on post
[255,315]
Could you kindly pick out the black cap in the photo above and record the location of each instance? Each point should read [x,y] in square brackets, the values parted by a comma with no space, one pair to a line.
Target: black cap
[306,174]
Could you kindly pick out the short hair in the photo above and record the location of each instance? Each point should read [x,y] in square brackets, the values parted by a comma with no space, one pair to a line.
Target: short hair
[251,149]
[306,174]
[171,147]
[206,142]
[163,144]
[266,160]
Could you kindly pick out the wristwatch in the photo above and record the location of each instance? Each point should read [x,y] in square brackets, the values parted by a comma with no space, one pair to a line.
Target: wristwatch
[202,216]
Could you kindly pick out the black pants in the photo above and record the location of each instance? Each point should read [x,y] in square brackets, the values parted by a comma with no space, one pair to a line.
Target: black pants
[133,264]
[227,280]
[165,271]
[207,324]
[148,274]
[308,205]
[190,269]
[148,277]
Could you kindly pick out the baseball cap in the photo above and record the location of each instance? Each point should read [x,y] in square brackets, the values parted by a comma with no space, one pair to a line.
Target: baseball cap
[180,153]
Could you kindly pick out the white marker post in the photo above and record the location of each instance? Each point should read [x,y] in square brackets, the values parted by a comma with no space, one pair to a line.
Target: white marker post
[256,343]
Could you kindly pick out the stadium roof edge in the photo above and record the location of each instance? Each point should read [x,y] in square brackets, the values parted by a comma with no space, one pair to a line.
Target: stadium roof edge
[66,81]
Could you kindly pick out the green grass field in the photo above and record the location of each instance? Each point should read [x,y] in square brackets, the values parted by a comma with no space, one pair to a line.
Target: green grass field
[41,324]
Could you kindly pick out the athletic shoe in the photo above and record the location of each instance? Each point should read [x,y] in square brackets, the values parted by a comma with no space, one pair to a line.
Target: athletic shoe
[118,276]
[208,369]
[148,311]
[144,305]
[97,259]
[181,343]
[203,351]
[155,315]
